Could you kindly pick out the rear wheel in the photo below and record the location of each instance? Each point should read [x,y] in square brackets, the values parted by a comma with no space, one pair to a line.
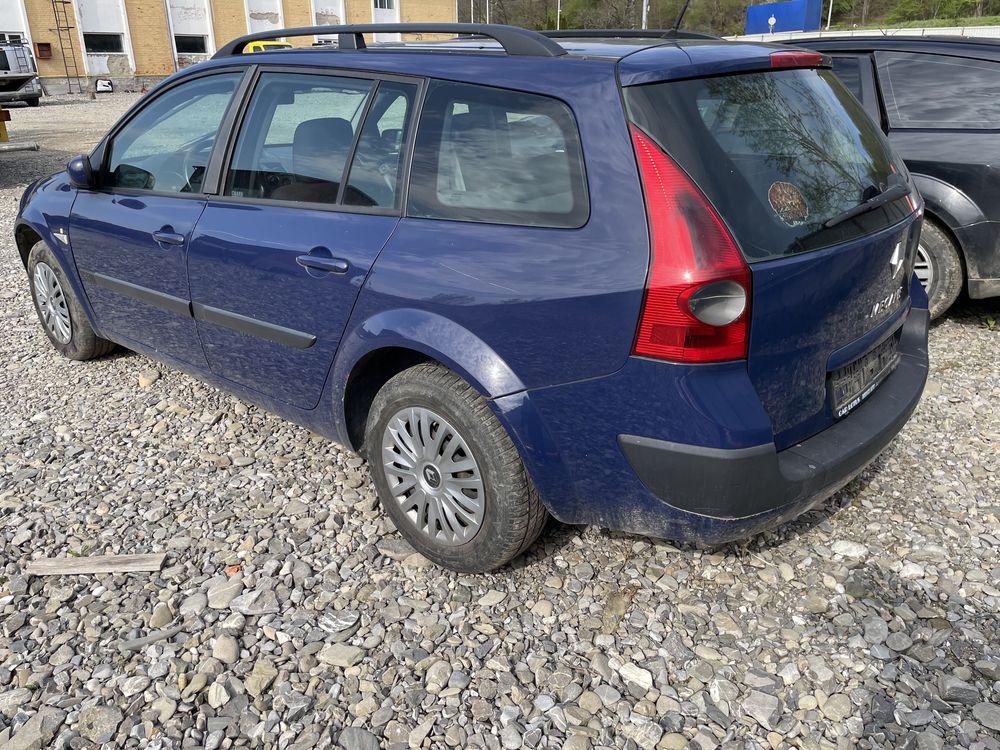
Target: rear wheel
[448,474]
[34,102]
[939,268]
[59,311]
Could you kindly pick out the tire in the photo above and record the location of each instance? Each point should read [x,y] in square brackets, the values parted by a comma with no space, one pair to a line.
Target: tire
[73,338]
[939,267]
[34,102]
[448,425]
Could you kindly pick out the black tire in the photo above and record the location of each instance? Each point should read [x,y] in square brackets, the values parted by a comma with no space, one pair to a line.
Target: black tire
[513,514]
[945,265]
[34,102]
[83,342]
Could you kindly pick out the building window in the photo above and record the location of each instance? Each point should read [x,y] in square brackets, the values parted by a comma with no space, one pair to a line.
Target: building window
[187,44]
[103,43]
[385,4]
[43,50]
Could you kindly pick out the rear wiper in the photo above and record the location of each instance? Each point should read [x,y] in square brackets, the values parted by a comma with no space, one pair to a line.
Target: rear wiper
[887,196]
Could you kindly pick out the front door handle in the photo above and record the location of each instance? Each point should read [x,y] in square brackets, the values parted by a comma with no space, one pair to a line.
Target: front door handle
[168,238]
[322,263]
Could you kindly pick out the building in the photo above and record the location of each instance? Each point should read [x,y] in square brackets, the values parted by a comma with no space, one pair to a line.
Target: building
[136,42]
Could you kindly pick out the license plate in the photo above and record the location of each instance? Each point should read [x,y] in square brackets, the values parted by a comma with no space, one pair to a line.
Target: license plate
[856,381]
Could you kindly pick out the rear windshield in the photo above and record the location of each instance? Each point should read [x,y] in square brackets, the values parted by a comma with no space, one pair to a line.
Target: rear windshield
[780,154]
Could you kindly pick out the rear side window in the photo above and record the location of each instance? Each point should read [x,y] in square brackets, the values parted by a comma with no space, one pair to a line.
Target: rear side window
[939,91]
[780,154]
[848,70]
[492,155]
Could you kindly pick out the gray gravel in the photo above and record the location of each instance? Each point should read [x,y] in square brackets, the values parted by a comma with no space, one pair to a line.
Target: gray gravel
[290,615]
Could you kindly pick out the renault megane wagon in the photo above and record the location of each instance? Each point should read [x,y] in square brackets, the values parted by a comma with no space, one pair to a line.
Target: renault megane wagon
[652,281]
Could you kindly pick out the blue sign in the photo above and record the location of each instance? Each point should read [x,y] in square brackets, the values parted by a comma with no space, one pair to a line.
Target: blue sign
[794,15]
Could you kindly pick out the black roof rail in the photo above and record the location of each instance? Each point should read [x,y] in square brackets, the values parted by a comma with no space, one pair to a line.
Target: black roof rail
[626,34]
[514,40]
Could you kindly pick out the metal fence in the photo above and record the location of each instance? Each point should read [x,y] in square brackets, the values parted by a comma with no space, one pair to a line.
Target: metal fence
[989,32]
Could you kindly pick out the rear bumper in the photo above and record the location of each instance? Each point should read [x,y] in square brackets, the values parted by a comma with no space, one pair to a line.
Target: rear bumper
[727,494]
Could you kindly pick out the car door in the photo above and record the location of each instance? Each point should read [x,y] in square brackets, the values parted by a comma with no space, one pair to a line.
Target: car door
[130,235]
[311,194]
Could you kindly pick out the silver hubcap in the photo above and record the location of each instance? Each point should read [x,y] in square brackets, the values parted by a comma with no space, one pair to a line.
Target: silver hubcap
[433,476]
[52,304]
[923,269]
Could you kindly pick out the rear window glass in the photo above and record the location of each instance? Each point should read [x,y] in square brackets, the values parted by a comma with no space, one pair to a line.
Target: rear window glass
[939,91]
[492,155]
[779,154]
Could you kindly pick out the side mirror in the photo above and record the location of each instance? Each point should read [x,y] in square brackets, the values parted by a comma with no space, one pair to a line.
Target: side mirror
[81,173]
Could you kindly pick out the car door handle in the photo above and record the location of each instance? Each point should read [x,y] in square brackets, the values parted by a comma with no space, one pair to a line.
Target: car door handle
[322,263]
[168,238]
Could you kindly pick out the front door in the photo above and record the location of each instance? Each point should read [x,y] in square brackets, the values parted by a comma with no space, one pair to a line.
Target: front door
[130,236]
[278,259]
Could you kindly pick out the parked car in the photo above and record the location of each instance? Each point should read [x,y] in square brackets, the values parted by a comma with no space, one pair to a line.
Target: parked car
[661,285]
[266,46]
[18,75]
[938,98]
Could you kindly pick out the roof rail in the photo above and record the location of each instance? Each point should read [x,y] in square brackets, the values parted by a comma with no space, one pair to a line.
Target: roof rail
[514,40]
[626,34]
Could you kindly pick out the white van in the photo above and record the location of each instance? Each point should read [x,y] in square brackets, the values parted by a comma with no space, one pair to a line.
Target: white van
[18,75]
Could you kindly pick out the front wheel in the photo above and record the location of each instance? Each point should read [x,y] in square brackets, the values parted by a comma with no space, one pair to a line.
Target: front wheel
[939,268]
[59,311]
[448,474]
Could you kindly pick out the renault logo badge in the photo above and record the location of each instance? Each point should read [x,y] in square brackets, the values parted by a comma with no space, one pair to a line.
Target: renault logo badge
[896,261]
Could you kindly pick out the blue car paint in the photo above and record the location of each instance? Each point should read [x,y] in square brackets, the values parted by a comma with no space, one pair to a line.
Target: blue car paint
[112,236]
[564,390]
[243,259]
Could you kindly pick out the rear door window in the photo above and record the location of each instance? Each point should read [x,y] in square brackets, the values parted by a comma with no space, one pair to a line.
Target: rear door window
[939,91]
[297,137]
[778,153]
[492,155]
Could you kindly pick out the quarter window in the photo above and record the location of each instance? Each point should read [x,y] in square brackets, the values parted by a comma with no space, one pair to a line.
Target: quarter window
[297,137]
[939,91]
[167,145]
[848,70]
[492,155]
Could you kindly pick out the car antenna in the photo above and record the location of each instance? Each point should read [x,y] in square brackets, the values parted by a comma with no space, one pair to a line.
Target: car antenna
[680,16]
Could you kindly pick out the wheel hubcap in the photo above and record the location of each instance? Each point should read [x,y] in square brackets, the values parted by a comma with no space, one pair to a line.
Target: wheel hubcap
[51,301]
[433,476]
[923,267]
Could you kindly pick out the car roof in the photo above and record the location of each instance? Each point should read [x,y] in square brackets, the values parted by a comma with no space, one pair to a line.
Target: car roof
[639,59]
[985,48]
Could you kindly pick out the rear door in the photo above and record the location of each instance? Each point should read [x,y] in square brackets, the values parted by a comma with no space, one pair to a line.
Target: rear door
[786,157]
[130,236]
[311,194]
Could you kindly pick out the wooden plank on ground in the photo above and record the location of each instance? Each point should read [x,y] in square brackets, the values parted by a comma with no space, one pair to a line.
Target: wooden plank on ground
[71,566]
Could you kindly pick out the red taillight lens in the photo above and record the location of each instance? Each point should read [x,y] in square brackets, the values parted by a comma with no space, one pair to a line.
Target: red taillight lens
[796,58]
[690,249]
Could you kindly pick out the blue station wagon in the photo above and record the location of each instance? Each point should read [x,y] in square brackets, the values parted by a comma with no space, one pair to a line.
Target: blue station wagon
[657,282]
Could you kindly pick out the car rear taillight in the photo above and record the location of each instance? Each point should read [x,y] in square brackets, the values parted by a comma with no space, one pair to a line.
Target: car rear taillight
[696,306]
[796,58]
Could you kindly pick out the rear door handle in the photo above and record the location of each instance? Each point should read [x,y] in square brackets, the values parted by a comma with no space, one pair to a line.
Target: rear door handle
[322,263]
[168,238]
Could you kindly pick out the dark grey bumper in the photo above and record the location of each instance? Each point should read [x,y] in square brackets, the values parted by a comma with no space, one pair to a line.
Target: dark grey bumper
[737,484]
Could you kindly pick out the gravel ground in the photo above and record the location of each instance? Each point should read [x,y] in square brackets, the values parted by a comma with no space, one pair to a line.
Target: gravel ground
[290,615]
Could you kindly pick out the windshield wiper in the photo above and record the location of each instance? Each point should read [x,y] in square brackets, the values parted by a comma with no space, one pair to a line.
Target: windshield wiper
[887,196]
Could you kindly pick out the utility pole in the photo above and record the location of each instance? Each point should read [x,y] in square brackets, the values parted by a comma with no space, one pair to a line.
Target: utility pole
[645,14]
[472,11]
[829,15]
[558,13]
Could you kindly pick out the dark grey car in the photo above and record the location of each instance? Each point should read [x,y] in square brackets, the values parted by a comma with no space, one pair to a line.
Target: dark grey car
[938,99]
